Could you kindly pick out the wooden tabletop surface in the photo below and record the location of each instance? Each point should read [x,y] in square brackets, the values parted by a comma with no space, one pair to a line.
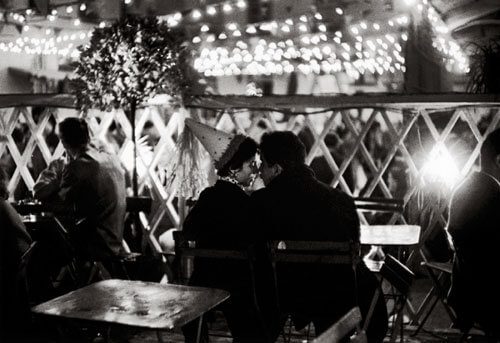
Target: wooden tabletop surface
[390,234]
[135,303]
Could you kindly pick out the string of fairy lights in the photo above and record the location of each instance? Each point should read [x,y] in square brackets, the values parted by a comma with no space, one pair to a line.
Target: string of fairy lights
[303,43]
[307,52]
[47,39]
[363,46]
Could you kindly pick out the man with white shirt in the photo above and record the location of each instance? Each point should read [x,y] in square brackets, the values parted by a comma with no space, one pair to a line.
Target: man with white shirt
[474,231]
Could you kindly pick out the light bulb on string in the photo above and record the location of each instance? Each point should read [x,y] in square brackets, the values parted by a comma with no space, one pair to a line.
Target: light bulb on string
[211,10]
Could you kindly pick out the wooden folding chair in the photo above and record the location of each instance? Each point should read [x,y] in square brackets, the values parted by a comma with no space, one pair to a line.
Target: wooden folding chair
[186,250]
[400,278]
[440,275]
[350,322]
[315,252]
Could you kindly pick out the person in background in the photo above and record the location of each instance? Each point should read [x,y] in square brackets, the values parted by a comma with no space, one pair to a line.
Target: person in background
[473,229]
[294,205]
[15,315]
[219,220]
[93,182]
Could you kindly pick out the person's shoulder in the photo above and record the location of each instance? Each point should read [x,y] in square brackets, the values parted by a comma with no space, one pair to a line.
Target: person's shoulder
[79,167]
[339,196]
[475,183]
[260,193]
[207,192]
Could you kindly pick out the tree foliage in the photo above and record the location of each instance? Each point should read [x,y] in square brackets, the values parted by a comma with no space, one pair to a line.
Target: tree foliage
[130,62]
[485,68]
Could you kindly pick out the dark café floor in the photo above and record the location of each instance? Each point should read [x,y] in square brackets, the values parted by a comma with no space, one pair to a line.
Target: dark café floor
[436,329]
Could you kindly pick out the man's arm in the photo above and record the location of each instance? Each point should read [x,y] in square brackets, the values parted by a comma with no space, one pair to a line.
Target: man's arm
[49,180]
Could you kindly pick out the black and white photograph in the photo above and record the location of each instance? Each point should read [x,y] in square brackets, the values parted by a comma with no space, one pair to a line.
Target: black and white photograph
[249,171]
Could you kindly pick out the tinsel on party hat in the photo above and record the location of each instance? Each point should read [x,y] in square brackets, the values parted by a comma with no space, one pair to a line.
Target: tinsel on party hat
[220,145]
[184,172]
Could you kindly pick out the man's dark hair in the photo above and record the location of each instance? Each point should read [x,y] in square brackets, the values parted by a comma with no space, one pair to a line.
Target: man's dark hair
[284,148]
[74,132]
[246,150]
[4,180]
[490,149]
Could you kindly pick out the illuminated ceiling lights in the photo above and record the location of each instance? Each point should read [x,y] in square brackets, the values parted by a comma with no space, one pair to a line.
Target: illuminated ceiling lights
[453,56]
[304,51]
[197,14]
[37,38]
[364,47]
[47,46]
[313,53]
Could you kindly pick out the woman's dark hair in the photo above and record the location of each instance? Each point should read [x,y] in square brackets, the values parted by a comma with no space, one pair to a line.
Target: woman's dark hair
[246,150]
[4,180]
[74,132]
[284,148]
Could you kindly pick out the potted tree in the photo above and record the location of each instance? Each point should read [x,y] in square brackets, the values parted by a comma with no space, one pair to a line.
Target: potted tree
[123,66]
[128,63]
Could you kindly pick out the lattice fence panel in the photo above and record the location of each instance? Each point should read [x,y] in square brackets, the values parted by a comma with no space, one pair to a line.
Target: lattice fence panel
[373,151]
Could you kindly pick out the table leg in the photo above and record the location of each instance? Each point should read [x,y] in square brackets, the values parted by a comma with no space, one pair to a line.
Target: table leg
[198,332]
[159,336]
[372,308]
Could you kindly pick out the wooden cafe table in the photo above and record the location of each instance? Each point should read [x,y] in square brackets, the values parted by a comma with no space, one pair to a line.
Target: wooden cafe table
[380,235]
[395,235]
[139,304]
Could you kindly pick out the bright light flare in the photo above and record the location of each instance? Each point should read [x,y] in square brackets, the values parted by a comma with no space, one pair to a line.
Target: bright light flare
[441,168]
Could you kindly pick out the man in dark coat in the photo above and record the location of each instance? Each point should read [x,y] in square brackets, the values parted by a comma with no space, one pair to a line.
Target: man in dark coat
[294,205]
[93,182]
[474,227]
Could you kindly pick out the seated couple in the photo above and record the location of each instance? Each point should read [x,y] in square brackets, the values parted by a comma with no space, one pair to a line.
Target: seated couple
[294,205]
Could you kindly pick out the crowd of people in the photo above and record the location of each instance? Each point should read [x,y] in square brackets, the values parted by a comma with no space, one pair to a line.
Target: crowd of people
[293,205]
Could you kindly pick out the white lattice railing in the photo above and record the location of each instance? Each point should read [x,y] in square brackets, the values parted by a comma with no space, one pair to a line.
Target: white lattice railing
[409,129]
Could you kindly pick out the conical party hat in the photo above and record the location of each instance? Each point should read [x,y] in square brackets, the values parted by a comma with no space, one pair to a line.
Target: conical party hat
[220,145]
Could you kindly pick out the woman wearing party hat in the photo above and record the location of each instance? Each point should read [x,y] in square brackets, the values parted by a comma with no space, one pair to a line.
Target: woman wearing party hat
[220,220]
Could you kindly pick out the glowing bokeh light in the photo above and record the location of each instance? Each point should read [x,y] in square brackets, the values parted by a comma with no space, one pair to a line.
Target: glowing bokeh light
[440,167]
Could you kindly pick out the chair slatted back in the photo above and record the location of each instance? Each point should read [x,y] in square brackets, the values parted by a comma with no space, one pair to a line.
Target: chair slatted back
[183,249]
[440,275]
[214,253]
[315,252]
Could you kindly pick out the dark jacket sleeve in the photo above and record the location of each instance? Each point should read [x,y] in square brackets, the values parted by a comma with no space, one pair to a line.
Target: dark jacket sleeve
[198,217]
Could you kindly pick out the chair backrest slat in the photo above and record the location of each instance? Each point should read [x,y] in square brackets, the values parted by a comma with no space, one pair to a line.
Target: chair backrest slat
[215,253]
[314,245]
[315,252]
